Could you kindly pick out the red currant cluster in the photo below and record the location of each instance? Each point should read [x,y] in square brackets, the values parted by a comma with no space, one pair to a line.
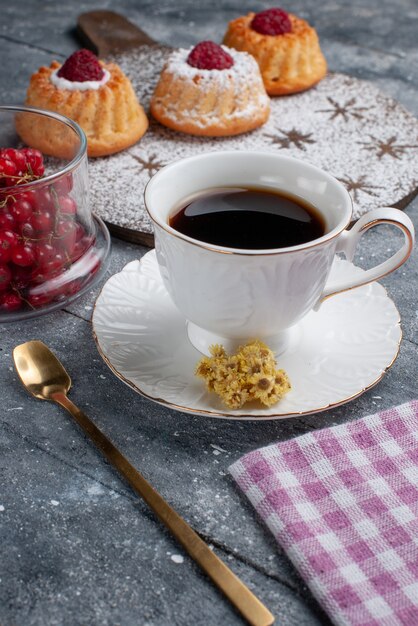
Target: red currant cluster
[40,236]
[20,166]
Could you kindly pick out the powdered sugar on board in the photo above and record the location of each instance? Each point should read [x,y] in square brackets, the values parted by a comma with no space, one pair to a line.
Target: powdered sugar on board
[345,126]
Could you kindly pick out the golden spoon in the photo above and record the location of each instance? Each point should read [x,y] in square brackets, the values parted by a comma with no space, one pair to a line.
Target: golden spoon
[44,377]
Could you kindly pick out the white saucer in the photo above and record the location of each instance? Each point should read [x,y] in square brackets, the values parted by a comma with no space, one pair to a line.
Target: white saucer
[334,355]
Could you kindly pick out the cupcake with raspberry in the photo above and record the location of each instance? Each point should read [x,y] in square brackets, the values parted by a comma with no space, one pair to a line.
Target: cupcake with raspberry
[96,95]
[210,90]
[285,47]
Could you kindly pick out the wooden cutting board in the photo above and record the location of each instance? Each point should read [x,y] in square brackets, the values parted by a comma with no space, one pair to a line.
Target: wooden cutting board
[344,125]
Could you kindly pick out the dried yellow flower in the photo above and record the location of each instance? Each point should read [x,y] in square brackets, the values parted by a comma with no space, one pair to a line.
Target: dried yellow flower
[217,351]
[248,375]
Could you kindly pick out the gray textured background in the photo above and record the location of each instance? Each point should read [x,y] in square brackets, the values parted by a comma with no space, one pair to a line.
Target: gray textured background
[77,548]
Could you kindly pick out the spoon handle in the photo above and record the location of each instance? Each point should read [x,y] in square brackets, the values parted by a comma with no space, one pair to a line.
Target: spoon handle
[241,597]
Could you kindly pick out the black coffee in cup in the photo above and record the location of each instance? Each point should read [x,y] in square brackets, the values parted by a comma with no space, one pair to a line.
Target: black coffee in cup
[249,218]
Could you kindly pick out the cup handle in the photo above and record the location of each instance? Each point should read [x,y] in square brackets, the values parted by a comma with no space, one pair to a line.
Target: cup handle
[348,242]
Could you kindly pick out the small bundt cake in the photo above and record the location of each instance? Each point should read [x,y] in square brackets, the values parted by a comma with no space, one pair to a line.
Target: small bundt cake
[210,91]
[286,49]
[96,95]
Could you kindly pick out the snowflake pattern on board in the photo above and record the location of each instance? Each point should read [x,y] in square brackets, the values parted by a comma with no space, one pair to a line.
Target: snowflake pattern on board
[345,126]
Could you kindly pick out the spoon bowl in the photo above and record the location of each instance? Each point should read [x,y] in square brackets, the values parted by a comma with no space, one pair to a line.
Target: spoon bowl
[40,371]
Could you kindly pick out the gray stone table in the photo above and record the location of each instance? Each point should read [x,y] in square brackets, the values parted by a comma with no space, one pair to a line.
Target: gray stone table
[77,548]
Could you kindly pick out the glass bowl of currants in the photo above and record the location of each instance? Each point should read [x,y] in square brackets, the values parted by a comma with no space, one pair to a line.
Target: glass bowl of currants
[52,248]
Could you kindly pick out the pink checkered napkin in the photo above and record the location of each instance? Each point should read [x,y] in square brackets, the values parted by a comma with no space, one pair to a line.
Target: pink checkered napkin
[343,504]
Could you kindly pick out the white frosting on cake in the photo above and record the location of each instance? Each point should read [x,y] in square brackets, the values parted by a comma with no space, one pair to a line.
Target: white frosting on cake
[244,64]
[74,85]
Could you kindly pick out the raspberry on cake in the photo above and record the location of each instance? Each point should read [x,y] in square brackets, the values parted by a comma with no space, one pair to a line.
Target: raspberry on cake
[207,55]
[285,47]
[272,22]
[210,90]
[81,66]
[96,95]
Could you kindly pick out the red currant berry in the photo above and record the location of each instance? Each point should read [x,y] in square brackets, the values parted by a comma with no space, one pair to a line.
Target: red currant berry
[8,172]
[17,157]
[64,185]
[89,241]
[44,252]
[21,277]
[5,276]
[79,249]
[3,164]
[39,299]
[34,160]
[23,254]
[30,196]
[55,266]
[44,200]
[26,230]
[64,226]
[65,231]
[21,209]
[8,241]
[79,231]
[67,206]
[41,222]
[10,301]
[38,276]
[7,221]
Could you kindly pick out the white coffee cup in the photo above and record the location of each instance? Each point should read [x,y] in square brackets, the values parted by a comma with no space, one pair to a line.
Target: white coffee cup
[231,295]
